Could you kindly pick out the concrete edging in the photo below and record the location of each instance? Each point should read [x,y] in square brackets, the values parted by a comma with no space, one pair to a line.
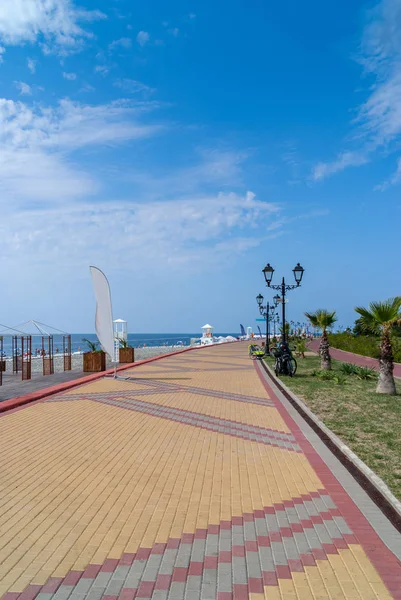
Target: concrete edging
[375,487]
[68,385]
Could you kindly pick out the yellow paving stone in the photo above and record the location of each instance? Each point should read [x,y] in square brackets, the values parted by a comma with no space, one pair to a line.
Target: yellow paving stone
[381,591]
[329,579]
[287,589]
[83,481]
[272,593]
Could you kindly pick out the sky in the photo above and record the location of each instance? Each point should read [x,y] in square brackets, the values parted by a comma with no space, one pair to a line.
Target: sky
[181,146]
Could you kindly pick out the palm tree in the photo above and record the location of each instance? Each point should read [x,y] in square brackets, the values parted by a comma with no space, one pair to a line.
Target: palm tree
[287,329]
[380,318]
[91,345]
[323,319]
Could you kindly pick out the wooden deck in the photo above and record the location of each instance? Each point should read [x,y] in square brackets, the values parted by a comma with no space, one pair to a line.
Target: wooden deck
[13,386]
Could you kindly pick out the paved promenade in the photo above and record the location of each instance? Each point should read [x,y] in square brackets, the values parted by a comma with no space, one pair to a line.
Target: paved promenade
[192,480]
[356,359]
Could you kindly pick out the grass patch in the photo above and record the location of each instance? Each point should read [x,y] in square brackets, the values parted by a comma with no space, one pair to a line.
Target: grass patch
[369,423]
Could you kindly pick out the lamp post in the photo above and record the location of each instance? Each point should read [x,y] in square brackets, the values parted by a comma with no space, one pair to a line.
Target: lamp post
[283,287]
[266,311]
[276,319]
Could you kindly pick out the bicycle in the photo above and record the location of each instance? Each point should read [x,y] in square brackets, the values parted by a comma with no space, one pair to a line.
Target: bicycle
[285,363]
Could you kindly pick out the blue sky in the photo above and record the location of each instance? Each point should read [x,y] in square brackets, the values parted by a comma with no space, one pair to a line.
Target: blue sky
[180,146]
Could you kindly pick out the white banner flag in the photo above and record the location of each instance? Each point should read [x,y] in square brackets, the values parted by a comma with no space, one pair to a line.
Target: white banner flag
[104,314]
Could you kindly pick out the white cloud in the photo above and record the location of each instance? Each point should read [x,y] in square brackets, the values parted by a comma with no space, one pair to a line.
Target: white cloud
[174,31]
[142,38]
[214,168]
[133,87]
[87,88]
[173,234]
[102,70]
[2,51]
[70,76]
[54,208]
[32,65]
[394,179]
[377,125]
[36,145]
[192,15]
[23,88]
[123,42]
[380,116]
[343,160]
[55,23]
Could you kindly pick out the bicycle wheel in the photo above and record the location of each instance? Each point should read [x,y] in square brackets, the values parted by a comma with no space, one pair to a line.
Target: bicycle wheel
[277,367]
[291,366]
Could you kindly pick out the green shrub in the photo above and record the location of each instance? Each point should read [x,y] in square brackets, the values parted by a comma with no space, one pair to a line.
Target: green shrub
[366,373]
[93,346]
[339,378]
[365,345]
[334,376]
[300,346]
[348,369]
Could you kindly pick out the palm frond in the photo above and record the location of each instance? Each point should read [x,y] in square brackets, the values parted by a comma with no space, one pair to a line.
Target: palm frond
[380,314]
[322,318]
[91,345]
[312,318]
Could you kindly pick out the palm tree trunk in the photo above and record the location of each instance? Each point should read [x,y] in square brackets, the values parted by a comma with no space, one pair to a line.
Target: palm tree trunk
[386,383]
[324,352]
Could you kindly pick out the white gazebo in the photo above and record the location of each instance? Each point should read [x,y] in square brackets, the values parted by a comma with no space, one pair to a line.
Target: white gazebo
[120,329]
[207,334]
[120,334]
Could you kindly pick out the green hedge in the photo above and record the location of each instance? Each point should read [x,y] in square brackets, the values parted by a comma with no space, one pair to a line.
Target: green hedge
[366,345]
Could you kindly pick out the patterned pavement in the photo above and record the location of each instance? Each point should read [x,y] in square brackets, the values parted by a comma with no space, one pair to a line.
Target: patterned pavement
[190,480]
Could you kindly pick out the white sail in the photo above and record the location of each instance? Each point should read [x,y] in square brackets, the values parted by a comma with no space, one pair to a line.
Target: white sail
[104,313]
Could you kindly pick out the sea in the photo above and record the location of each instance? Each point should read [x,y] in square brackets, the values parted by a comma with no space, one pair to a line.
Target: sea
[137,340]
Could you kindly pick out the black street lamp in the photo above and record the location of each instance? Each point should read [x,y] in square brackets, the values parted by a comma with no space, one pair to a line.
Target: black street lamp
[283,287]
[276,319]
[267,312]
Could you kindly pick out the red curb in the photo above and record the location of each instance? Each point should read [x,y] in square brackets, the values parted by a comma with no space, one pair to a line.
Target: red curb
[385,562]
[19,401]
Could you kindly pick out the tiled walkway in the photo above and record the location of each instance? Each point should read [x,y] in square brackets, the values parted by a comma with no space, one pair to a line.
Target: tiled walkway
[189,481]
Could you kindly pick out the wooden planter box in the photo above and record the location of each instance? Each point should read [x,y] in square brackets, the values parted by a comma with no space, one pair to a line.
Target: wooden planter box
[94,362]
[127,355]
[3,365]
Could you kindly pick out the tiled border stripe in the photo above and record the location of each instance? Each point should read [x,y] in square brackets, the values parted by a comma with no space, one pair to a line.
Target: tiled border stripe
[206,392]
[252,433]
[385,562]
[168,388]
[230,560]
